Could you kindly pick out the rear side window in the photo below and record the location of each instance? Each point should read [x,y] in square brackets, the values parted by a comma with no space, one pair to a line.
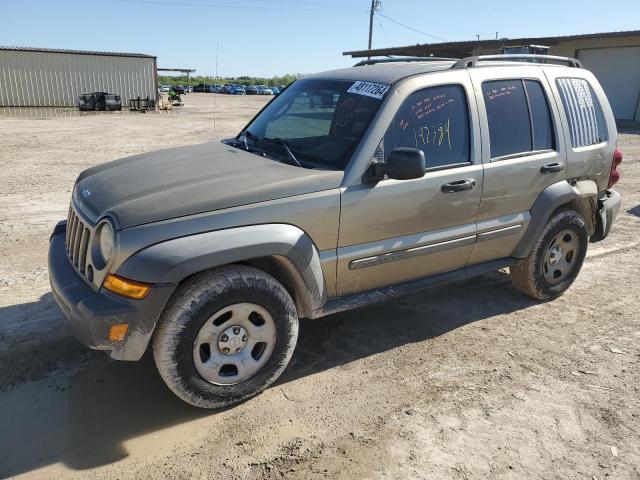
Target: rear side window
[435,120]
[586,119]
[543,138]
[519,117]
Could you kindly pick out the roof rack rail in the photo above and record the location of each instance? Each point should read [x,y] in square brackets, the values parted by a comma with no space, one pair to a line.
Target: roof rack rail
[473,61]
[402,59]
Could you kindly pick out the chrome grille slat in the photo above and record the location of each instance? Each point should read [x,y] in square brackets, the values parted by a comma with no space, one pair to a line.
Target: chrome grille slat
[84,243]
[77,237]
[72,240]
[66,240]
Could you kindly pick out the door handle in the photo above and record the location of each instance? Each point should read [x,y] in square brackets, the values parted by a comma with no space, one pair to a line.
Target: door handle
[459,185]
[552,167]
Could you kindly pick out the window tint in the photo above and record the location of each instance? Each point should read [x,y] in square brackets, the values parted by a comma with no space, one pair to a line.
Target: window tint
[519,117]
[508,115]
[543,137]
[586,120]
[435,120]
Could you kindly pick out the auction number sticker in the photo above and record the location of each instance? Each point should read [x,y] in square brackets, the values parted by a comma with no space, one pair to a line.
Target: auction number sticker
[375,90]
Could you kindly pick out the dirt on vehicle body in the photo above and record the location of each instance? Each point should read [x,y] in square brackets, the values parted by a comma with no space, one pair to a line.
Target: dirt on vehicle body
[407,178]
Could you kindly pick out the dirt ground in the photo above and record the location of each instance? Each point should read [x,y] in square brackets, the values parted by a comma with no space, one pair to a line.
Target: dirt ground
[469,381]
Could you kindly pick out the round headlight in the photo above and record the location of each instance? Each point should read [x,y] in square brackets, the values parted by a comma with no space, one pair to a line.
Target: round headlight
[105,244]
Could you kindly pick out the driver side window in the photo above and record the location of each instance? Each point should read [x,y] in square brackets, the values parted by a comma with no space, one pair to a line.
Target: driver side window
[436,121]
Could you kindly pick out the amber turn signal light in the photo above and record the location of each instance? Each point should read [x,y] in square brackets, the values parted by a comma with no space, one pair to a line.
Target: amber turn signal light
[118,331]
[125,287]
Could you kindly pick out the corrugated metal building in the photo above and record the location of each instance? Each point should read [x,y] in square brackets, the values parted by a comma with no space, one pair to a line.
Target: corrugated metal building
[613,57]
[37,77]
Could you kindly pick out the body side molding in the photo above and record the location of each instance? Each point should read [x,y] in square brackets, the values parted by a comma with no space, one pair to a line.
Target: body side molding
[381,294]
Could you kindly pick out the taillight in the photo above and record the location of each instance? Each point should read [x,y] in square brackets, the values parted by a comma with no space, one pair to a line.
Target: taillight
[614,176]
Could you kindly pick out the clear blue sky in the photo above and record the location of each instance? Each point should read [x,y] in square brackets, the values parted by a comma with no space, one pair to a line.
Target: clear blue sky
[269,37]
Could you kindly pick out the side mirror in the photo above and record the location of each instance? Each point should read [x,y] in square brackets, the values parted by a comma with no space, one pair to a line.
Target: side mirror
[405,164]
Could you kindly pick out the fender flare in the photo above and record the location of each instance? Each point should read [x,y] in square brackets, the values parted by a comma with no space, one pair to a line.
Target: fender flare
[580,196]
[174,260]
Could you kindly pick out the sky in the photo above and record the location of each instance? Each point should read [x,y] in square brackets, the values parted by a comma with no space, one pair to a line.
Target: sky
[274,37]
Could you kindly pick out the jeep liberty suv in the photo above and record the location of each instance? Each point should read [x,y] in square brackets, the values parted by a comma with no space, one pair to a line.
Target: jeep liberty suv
[350,187]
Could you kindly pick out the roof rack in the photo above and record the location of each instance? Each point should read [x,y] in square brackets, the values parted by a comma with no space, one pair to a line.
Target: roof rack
[473,61]
[402,59]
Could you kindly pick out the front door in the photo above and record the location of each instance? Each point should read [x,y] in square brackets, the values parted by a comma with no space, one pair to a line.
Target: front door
[399,230]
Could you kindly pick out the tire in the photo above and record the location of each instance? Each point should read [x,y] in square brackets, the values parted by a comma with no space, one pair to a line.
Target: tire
[210,305]
[562,247]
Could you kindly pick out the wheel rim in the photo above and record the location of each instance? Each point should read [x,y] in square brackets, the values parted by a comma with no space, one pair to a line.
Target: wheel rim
[561,256]
[234,344]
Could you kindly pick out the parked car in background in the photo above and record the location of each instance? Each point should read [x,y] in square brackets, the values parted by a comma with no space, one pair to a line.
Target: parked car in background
[275,90]
[237,90]
[264,90]
[165,88]
[178,89]
[252,90]
[206,88]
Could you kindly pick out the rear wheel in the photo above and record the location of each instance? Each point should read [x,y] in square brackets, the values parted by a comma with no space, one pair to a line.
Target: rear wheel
[225,336]
[556,258]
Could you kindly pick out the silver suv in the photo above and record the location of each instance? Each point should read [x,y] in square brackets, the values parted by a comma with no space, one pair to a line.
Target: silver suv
[351,187]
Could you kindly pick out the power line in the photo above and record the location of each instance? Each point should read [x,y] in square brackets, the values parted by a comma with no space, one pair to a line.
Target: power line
[383,29]
[412,29]
[311,8]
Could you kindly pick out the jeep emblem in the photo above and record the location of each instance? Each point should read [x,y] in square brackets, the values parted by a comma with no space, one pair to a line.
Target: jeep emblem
[86,193]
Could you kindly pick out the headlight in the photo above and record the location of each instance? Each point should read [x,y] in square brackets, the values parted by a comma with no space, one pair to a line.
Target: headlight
[103,244]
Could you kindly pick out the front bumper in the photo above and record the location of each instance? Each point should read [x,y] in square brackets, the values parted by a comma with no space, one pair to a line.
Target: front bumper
[608,208]
[91,314]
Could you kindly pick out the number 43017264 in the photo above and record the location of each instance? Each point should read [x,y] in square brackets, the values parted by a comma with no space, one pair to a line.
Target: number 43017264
[434,134]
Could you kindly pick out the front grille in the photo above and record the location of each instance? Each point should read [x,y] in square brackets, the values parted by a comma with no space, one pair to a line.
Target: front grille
[77,241]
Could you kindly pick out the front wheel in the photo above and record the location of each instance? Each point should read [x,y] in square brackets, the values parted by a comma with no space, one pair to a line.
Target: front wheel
[556,258]
[225,336]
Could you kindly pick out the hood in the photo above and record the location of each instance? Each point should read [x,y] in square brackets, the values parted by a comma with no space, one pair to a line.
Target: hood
[188,180]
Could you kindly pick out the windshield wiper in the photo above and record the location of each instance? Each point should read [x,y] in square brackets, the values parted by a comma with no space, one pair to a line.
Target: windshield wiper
[287,148]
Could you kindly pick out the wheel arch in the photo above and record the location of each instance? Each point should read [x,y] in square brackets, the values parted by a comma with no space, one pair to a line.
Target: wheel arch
[580,196]
[283,251]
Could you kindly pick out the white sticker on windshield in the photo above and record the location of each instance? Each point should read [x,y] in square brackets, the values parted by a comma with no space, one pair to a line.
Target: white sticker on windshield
[375,90]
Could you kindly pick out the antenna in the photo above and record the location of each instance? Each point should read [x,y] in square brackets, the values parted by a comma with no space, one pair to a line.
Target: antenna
[215,95]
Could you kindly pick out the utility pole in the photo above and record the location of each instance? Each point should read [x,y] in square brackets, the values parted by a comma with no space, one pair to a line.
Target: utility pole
[375,5]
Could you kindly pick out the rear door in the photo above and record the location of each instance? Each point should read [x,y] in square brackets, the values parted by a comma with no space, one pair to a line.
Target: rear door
[522,153]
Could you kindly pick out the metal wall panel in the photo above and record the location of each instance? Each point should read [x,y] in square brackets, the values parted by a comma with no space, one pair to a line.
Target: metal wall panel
[618,71]
[50,79]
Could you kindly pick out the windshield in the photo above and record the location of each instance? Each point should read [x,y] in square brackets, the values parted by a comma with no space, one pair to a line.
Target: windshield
[319,121]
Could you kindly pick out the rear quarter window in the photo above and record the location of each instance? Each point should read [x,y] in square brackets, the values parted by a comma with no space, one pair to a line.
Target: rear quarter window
[584,113]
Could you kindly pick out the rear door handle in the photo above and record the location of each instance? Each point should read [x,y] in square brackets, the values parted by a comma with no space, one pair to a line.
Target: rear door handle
[459,185]
[552,167]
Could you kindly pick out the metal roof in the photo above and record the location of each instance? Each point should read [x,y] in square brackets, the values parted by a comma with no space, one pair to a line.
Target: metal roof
[76,52]
[446,48]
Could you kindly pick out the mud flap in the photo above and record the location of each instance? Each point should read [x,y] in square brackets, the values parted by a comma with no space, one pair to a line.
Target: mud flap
[608,207]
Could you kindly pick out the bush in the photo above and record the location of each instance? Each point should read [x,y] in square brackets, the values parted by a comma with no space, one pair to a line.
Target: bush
[242,80]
